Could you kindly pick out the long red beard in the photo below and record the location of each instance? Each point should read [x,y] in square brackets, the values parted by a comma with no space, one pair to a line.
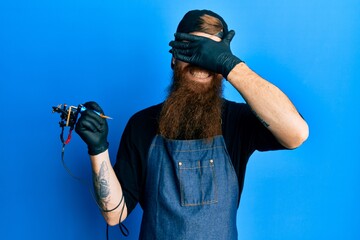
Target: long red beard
[192,110]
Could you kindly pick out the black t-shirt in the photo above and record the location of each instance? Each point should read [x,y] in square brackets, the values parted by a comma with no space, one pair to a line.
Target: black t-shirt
[242,131]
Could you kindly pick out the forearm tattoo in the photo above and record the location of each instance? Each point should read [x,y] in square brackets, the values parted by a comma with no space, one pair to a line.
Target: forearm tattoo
[101,185]
[261,120]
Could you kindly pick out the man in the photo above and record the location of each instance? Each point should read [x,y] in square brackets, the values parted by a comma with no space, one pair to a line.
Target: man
[184,160]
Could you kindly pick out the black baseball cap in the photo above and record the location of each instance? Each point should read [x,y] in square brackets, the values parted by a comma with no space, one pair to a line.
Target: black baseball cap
[191,21]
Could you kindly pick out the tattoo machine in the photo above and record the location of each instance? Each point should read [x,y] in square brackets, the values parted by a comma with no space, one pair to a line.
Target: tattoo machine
[69,116]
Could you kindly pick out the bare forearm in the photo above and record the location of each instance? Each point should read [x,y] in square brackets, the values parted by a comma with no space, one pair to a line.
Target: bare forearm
[107,189]
[271,106]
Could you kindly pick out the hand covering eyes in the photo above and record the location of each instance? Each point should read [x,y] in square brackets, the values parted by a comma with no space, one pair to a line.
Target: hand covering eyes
[205,52]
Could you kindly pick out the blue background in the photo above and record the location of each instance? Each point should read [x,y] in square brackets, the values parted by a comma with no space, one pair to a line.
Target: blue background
[116,53]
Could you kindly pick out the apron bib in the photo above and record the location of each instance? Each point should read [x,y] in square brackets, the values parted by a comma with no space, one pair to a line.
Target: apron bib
[191,191]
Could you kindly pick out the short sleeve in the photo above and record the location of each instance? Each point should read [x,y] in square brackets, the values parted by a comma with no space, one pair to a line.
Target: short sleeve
[262,138]
[243,131]
[131,159]
[128,169]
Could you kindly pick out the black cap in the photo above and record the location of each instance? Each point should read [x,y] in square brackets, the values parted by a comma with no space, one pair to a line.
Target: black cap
[191,21]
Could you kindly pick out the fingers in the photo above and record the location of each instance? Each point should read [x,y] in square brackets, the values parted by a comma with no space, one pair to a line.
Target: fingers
[179,44]
[187,37]
[182,50]
[93,106]
[186,41]
[90,121]
[182,54]
[229,36]
[183,58]
[185,52]
[184,45]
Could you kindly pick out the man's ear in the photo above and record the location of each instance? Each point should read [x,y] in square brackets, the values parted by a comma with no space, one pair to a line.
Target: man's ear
[172,62]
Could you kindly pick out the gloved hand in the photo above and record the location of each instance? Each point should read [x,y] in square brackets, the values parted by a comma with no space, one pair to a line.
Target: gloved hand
[205,52]
[93,129]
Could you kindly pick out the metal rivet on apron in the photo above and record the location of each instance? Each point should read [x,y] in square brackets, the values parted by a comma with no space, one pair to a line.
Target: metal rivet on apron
[180,163]
[211,161]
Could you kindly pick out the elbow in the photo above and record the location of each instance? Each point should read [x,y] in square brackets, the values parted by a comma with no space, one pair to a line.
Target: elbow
[112,222]
[115,217]
[298,137]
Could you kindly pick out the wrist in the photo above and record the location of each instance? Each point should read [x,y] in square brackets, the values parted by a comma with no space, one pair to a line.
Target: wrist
[229,64]
[95,150]
[239,71]
[99,156]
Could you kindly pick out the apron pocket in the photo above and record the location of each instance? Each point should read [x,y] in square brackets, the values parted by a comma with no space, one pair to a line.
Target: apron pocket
[197,182]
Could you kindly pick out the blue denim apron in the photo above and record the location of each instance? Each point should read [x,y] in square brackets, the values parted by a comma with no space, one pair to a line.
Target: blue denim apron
[191,191]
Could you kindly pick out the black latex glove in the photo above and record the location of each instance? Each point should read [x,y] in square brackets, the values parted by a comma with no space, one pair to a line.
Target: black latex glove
[93,129]
[205,52]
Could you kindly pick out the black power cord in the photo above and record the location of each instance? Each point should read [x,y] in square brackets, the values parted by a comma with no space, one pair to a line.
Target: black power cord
[68,118]
[123,229]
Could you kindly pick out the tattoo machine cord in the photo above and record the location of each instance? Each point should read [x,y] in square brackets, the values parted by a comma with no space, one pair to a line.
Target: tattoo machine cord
[68,118]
